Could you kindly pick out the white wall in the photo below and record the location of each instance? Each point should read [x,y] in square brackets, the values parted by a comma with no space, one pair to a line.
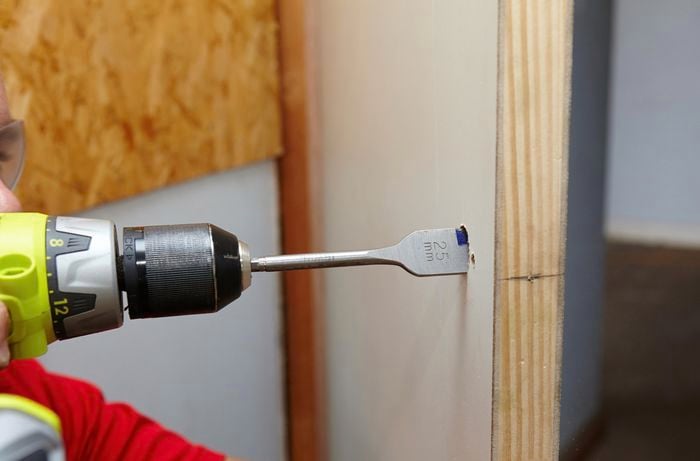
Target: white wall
[408,126]
[654,192]
[215,378]
[585,253]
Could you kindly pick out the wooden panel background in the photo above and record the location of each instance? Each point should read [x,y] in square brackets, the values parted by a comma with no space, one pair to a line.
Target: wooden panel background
[300,204]
[534,95]
[120,97]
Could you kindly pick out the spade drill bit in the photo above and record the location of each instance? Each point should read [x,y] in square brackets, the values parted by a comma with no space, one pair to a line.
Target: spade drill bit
[422,253]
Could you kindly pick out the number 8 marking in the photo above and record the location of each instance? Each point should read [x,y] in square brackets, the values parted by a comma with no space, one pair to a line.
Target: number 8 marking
[56,242]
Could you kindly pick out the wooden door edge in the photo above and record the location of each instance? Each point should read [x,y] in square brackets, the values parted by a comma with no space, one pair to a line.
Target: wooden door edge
[534,81]
[298,173]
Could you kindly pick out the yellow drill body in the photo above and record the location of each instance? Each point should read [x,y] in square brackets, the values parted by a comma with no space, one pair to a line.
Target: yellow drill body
[23,282]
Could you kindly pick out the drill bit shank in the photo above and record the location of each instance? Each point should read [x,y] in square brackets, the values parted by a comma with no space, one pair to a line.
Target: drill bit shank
[422,253]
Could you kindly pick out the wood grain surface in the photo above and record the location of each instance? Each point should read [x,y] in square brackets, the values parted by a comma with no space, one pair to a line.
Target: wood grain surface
[534,94]
[121,97]
[299,203]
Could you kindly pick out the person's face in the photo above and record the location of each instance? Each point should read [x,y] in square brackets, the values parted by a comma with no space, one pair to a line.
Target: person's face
[8,201]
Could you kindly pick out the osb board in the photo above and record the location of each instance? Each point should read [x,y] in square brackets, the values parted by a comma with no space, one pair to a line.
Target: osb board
[534,94]
[121,97]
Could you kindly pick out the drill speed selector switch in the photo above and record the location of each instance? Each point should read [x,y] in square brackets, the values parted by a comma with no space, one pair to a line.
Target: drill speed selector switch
[81,276]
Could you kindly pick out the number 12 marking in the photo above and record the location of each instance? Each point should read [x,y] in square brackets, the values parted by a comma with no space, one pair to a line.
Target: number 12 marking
[60,307]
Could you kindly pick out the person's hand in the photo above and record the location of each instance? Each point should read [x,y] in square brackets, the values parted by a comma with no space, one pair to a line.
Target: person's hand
[4,331]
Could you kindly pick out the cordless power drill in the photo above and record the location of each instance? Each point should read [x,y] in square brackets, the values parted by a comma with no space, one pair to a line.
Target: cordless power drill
[62,277]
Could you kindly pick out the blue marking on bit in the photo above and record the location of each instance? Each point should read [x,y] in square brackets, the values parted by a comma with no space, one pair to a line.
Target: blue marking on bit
[462,236]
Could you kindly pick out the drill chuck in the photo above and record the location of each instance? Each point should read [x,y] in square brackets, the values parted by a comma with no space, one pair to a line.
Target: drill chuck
[181,269]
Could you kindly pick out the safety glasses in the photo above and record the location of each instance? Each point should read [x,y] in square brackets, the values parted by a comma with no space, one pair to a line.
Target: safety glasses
[11,152]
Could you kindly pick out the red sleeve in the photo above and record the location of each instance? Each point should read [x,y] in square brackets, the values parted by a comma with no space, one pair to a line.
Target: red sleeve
[92,428]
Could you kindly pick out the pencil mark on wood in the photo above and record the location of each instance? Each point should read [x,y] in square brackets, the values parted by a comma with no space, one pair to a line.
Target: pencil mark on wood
[531,277]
